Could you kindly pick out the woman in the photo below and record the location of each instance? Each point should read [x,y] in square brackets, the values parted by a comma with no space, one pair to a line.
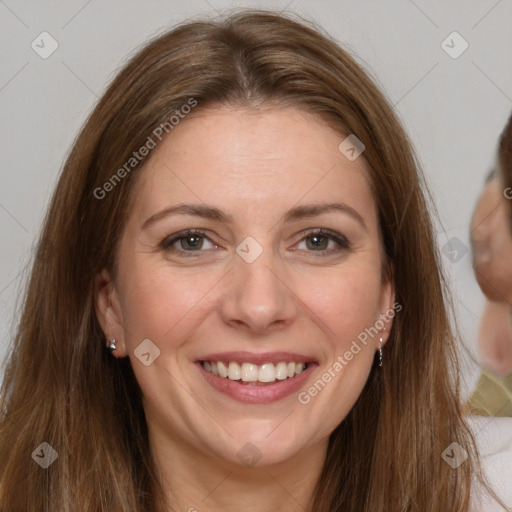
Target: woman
[491,237]
[236,301]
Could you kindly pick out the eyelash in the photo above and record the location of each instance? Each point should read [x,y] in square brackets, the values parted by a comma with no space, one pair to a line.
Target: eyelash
[341,240]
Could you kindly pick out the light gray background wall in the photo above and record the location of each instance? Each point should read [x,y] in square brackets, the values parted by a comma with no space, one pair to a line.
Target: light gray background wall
[453,108]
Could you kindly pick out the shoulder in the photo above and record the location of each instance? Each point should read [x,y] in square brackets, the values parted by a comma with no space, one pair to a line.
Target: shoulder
[493,436]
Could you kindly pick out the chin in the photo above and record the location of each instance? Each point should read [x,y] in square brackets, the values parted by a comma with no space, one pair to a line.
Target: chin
[256,451]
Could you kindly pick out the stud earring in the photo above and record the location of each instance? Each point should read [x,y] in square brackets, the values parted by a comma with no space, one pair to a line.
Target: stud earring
[112,344]
[380,352]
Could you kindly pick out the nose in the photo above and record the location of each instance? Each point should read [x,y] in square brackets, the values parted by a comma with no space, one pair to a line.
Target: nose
[259,296]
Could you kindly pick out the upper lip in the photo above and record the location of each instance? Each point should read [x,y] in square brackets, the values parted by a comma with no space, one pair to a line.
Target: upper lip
[257,358]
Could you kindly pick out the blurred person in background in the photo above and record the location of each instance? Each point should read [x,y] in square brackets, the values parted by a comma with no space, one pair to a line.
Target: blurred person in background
[491,240]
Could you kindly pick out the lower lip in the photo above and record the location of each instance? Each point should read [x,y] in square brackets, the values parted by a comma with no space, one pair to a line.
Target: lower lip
[257,394]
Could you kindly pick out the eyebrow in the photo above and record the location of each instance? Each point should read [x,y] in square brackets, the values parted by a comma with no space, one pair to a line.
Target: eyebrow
[294,214]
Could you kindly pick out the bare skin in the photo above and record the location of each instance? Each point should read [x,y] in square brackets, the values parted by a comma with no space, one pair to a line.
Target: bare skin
[302,294]
[495,337]
[492,262]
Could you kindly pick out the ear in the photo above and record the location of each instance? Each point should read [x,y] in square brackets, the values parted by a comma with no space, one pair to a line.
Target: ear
[388,310]
[108,311]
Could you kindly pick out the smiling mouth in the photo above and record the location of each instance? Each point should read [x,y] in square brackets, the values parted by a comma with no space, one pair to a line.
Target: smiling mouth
[253,374]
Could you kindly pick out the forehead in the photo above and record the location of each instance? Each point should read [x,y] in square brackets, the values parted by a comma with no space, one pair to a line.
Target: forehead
[253,159]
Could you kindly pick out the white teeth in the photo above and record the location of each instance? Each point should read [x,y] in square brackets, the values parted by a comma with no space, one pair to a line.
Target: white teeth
[223,370]
[249,372]
[267,373]
[234,371]
[281,371]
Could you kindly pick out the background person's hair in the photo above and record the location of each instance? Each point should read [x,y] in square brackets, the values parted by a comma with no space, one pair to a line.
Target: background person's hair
[61,385]
[505,162]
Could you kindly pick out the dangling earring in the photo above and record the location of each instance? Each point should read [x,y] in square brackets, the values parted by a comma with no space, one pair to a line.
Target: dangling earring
[112,344]
[380,352]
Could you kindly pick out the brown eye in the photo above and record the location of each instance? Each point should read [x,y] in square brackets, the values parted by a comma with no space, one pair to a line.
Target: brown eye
[320,240]
[191,242]
[186,242]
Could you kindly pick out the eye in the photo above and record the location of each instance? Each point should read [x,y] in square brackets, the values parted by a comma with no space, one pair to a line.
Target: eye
[189,241]
[320,239]
[193,241]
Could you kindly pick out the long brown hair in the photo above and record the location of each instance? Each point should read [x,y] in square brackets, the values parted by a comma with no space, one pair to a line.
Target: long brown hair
[62,387]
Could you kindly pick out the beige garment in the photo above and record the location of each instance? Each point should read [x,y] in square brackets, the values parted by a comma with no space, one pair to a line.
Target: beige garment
[492,395]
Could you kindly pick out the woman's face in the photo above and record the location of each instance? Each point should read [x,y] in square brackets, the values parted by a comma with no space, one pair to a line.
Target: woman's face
[492,242]
[258,285]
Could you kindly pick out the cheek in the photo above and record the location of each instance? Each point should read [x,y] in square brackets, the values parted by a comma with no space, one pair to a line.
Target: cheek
[347,302]
[159,303]
[350,313]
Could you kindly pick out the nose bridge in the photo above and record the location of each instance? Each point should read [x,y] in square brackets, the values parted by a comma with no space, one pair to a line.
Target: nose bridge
[258,296]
